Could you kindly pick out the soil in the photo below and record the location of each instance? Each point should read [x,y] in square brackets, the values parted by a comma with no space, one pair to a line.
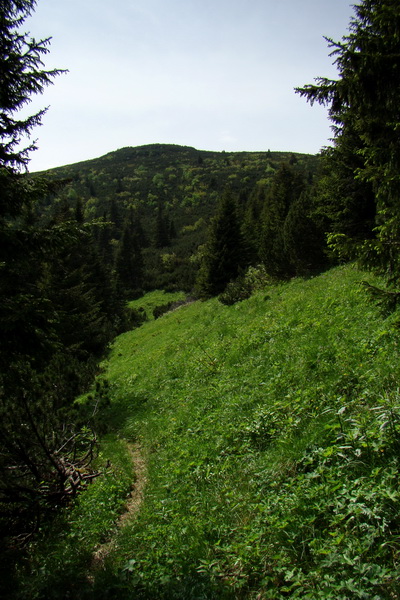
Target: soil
[131,509]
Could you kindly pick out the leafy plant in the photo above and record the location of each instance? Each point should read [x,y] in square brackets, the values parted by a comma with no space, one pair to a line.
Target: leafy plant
[254,278]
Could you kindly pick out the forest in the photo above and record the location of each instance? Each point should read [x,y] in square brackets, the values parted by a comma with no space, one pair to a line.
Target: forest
[159,199]
[263,408]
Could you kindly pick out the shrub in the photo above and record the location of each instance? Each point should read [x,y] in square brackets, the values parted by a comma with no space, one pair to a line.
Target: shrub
[255,278]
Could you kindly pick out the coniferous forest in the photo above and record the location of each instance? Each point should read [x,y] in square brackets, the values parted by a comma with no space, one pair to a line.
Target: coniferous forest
[285,267]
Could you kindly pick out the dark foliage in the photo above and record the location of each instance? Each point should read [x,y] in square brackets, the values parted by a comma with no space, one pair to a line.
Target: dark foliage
[303,238]
[364,162]
[58,310]
[21,75]
[129,259]
[223,256]
[287,185]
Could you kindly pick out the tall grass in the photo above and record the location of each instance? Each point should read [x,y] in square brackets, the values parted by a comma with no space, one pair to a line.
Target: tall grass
[272,434]
[271,430]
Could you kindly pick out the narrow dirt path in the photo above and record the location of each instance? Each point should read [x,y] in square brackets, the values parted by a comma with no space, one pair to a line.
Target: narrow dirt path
[131,508]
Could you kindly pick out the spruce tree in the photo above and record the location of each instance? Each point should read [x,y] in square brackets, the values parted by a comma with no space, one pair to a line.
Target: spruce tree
[22,248]
[40,450]
[364,108]
[163,228]
[251,226]
[286,187]
[303,241]
[21,75]
[115,219]
[129,260]
[224,255]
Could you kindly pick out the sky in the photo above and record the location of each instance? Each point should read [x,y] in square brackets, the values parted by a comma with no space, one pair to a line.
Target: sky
[212,74]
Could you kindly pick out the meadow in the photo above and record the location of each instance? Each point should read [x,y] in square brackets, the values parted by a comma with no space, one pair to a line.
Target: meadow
[271,434]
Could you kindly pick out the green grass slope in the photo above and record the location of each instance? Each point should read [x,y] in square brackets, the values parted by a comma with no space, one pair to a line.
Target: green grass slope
[271,430]
[272,435]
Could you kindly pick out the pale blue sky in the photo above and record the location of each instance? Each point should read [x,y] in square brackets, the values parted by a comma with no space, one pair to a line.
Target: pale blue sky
[213,74]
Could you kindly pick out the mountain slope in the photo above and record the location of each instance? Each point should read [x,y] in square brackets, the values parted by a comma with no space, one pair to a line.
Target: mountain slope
[172,170]
[170,194]
[187,182]
[271,431]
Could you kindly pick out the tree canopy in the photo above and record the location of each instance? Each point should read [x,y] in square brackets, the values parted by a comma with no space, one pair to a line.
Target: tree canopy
[21,76]
[364,109]
[223,255]
[56,313]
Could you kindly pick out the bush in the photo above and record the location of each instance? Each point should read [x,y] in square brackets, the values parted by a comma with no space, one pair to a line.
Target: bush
[255,278]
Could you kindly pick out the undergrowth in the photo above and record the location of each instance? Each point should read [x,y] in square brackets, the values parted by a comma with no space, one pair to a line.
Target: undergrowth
[57,562]
[272,431]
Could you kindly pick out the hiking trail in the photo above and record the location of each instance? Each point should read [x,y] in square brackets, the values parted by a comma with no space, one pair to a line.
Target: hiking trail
[131,508]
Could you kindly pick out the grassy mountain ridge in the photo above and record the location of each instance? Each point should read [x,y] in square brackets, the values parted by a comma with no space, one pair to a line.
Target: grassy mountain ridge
[271,429]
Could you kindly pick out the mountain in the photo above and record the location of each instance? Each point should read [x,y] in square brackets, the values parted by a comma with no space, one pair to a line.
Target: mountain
[176,176]
[159,169]
[172,192]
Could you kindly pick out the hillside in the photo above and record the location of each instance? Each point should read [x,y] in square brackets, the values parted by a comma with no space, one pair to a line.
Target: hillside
[189,409]
[271,434]
[170,192]
[179,176]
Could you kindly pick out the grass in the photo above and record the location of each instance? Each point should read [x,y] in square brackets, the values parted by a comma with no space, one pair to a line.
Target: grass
[155,299]
[62,551]
[272,434]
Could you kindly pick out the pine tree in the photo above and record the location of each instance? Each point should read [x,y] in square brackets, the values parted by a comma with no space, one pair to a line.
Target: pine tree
[21,76]
[40,452]
[22,247]
[80,324]
[129,260]
[163,228]
[115,219]
[364,109]
[22,309]
[344,204]
[224,255]
[251,225]
[286,187]
[79,217]
[104,241]
[304,242]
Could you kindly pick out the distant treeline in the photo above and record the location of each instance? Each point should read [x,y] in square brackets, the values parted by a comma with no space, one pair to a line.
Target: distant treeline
[156,206]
